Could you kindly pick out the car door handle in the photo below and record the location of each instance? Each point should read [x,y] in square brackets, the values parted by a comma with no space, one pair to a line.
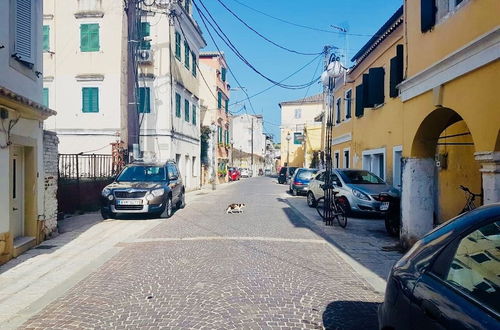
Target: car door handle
[431,310]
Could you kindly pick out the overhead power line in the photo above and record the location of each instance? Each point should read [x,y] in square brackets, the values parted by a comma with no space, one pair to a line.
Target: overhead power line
[263,36]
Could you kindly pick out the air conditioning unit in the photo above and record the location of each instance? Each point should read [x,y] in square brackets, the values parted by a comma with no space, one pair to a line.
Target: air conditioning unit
[145,56]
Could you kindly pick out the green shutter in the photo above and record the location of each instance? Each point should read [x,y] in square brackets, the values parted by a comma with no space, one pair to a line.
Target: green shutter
[188,4]
[227,105]
[89,37]
[144,100]
[186,110]
[223,74]
[178,45]
[348,104]
[220,134]
[187,54]
[145,32]
[227,136]
[194,114]
[359,107]
[427,14]
[178,105]
[46,38]
[90,99]
[45,97]
[219,100]
[194,64]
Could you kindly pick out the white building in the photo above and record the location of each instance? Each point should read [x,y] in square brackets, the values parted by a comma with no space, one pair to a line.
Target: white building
[249,142]
[22,202]
[86,56]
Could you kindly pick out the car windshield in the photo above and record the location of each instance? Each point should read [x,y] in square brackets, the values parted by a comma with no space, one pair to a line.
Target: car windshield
[360,177]
[306,174]
[142,173]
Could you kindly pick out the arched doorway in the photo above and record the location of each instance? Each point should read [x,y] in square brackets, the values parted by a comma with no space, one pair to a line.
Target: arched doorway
[442,159]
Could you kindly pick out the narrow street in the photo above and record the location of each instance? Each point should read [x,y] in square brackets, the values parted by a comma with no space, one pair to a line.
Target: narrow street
[265,268]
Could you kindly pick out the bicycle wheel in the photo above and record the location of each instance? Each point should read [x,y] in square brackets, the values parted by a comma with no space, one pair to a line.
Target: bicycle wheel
[340,215]
[320,207]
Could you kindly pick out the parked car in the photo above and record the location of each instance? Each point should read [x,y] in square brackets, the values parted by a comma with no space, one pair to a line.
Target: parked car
[233,173]
[148,188]
[245,172]
[299,183]
[450,278]
[285,174]
[359,190]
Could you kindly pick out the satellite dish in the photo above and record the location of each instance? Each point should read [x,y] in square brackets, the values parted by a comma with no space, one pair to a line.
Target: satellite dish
[335,69]
[324,78]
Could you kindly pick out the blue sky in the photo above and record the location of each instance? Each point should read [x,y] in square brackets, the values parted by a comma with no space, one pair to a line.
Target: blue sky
[362,17]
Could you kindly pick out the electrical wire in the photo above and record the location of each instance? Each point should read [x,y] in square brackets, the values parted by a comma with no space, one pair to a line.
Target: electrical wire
[263,36]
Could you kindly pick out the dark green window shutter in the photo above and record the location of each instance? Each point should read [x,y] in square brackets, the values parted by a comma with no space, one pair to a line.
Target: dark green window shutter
[178,45]
[359,108]
[195,64]
[366,101]
[427,14]
[348,101]
[337,106]
[145,32]
[227,105]
[396,71]
[46,38]
[177,105]
[223,74]
[90,99]
[186,110]
[220,134]
[227,136]
[144,100]
[194,114]
[45,97]
[219,100]
[376,86]
[89,37]
[187,54]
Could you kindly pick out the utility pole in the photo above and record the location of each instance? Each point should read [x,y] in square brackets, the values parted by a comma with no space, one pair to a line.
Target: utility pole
[132,113]
[251,157]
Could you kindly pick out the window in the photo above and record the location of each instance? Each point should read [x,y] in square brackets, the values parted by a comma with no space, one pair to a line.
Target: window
[46,38]
[186,110]
[90,99]
[446,7]
[346,158]
[337,159]
[194,65]
[223,74]
[144,100]
[397,153]
[24,41]
[374,161]
[348,104]
[45,97]
[177,105]
[227,105]
[472,269]
[194,114]
[227,136]
[145,32]
[89,37]
[178,45]
[219,129]
[297,138]
[376,86]
[187,54]
[298,113]
[337,108]
[219,99]
[194,169]
[396,71]
[359,108]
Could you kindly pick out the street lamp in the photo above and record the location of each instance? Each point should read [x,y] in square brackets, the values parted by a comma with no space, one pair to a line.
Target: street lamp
[213,129]
[288,138]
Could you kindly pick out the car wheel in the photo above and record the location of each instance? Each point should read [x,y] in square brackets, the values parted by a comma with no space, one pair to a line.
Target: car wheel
[107,215]
[311,201]
[182,201]
[169,209]
[345,205]
[294,192]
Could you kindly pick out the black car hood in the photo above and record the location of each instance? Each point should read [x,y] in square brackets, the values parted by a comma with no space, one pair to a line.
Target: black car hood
[135,185]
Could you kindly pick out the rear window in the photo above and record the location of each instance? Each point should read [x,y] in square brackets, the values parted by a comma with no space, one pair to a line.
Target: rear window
[306,174]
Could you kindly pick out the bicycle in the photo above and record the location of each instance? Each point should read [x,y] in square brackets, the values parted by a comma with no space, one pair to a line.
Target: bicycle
[470,199]
[331,209]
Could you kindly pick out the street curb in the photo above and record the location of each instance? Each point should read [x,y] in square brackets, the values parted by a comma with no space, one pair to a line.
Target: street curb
[375,281]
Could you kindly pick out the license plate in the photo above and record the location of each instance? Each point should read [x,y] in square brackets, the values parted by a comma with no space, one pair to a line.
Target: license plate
[384,206]
[129,202]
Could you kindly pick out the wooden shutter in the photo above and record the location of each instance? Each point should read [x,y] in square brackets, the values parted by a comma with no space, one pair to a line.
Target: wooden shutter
[45,97]
[177,45]
[359,108]
[187,53]
[177,105]
[337,110]
[194,114]
[144,100]
[90,99]
[427,14]
[219,100]
[227,105]
[46,38]
[376,86]
[89,37]
[366,87]
[223,74]
[24,36]
[186,110]
[193,69]
[348,104]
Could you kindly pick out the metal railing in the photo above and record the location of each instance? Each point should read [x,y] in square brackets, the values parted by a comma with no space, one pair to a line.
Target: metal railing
[91,166]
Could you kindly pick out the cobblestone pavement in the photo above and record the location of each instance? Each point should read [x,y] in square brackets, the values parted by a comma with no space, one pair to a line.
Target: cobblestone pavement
[203,268]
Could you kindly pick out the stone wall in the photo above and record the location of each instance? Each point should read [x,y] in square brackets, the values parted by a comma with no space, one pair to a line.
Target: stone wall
[50,162]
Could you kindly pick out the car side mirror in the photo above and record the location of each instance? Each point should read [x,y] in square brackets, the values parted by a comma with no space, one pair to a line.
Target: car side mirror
[172,178]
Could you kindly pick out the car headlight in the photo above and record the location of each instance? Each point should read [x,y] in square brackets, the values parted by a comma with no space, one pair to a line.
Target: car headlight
[106,192]
[158,192]
[360,195]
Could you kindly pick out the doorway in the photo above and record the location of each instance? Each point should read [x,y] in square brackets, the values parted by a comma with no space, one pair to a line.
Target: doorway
[17,191]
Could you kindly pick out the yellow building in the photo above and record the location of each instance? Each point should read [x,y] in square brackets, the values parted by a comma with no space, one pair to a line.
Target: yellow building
[295,117]
[425,114]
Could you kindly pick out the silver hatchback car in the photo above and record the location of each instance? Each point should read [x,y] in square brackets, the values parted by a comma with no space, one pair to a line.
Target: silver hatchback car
[359,190]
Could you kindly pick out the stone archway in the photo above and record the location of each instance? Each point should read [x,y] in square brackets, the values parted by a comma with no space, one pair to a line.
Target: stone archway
[431,193]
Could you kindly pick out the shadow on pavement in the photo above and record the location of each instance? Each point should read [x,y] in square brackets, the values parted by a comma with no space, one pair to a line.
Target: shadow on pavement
[350,315]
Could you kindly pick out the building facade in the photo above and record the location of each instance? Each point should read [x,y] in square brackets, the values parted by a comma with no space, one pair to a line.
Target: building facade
[249,146]
[215,107]
[22,197]
[295,116]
